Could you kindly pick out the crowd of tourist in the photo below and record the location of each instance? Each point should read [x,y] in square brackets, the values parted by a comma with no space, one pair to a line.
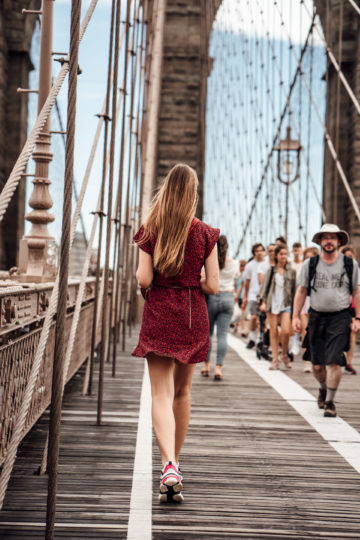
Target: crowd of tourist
[298,304]
[306,301]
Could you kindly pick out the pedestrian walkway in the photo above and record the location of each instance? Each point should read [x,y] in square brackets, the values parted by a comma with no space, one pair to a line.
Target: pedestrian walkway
[253,467]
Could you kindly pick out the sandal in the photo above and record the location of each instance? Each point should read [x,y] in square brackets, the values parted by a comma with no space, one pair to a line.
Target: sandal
[286,362]
[274,365]
[205,372]
[218,375]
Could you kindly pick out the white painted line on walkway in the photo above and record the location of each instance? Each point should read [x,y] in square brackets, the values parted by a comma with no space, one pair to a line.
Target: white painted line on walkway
[338,433]
[140,517]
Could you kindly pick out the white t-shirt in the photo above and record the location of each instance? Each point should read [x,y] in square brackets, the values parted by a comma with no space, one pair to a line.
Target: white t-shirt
[227,275]
[252,271]
[265,266]
[277,300]
[297,267]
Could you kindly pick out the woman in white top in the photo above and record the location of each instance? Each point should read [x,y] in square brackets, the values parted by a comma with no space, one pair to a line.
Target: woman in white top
[220,307]
[277,296]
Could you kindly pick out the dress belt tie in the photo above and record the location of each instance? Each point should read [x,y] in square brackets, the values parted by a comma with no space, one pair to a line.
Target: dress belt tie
[179,287]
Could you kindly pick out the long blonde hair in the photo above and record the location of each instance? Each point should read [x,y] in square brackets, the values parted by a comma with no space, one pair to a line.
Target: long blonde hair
[170,217]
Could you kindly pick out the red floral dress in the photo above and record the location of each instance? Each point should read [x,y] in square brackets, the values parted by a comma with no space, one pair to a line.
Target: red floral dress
[175,320]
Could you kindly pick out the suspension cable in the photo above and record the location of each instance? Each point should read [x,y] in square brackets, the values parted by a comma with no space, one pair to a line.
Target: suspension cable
[336,66]
[329,142]
[60,328]
[25,154]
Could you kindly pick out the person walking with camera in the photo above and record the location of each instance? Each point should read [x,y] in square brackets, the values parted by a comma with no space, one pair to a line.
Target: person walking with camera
[329,279]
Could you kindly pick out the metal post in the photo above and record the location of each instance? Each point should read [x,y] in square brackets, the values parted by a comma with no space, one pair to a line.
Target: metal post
[152,120]
[287,209]
[34,265]
[60,338]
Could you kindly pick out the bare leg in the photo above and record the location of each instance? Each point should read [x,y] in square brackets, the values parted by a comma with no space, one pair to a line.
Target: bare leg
[319,373]
[182,403]
[333,376]
[253,323]
[274,338]
[304,317]
[350,352]
[285,321]
[161,371]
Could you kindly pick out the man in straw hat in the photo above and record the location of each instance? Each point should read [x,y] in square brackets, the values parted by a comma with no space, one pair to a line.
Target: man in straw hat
[329,279]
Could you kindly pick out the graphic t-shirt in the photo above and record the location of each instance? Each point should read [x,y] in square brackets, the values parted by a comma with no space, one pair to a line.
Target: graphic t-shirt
[252,269]
[331,284]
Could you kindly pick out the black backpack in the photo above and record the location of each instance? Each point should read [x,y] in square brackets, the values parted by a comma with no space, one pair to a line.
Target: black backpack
[348,265]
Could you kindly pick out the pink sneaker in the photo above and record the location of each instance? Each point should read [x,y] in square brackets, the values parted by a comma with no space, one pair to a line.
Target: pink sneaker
[170,484]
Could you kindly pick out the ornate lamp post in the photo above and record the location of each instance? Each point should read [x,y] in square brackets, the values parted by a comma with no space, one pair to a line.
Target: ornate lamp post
[288,166]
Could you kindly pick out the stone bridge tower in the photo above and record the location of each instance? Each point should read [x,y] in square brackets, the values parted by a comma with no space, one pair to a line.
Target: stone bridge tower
[186,67]
[16,32]
[336,201]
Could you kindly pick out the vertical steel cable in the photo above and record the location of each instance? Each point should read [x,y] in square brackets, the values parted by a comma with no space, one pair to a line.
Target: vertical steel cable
[118,271]
[59,354]
[109,216]
[101,208]
[127,225]
[137,173]
[309,138]
[327,158]
[337,120]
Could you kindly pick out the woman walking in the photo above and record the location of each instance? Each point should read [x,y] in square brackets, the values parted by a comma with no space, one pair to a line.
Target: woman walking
[221,307]
[277,296]
[174,336]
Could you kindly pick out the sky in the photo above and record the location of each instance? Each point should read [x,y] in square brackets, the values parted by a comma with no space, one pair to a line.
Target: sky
[93,62]
[247,92]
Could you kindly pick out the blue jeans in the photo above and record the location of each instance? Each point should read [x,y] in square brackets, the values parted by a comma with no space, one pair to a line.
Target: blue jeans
[220,308]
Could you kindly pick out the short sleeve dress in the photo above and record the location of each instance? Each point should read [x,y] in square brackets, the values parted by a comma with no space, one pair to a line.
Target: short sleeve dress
[175,318]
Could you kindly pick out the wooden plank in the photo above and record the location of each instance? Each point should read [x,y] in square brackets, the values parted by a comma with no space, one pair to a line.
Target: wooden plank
[253,468]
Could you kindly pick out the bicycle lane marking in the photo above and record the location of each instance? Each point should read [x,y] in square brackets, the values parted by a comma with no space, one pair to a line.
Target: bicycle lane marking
[338,433]
[140,516]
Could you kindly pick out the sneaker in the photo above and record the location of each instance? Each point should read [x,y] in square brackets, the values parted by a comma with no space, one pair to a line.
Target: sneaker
[321,398]
[170,484]
[350,369]
[307,368]
[329,409]
[251,344]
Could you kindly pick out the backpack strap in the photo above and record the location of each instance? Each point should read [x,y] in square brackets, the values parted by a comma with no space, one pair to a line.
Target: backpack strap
[313,262]
[349,266]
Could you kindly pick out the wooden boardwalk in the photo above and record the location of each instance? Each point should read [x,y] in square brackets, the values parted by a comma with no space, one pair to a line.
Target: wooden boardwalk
[253,467]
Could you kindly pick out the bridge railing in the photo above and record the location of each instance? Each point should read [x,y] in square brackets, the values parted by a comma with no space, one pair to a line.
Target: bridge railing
[96,308]
[17,355]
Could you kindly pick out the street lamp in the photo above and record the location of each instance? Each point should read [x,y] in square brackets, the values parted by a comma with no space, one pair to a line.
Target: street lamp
[288,166]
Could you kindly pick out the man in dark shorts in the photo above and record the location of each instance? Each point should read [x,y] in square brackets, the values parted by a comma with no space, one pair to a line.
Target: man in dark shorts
[328,331]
